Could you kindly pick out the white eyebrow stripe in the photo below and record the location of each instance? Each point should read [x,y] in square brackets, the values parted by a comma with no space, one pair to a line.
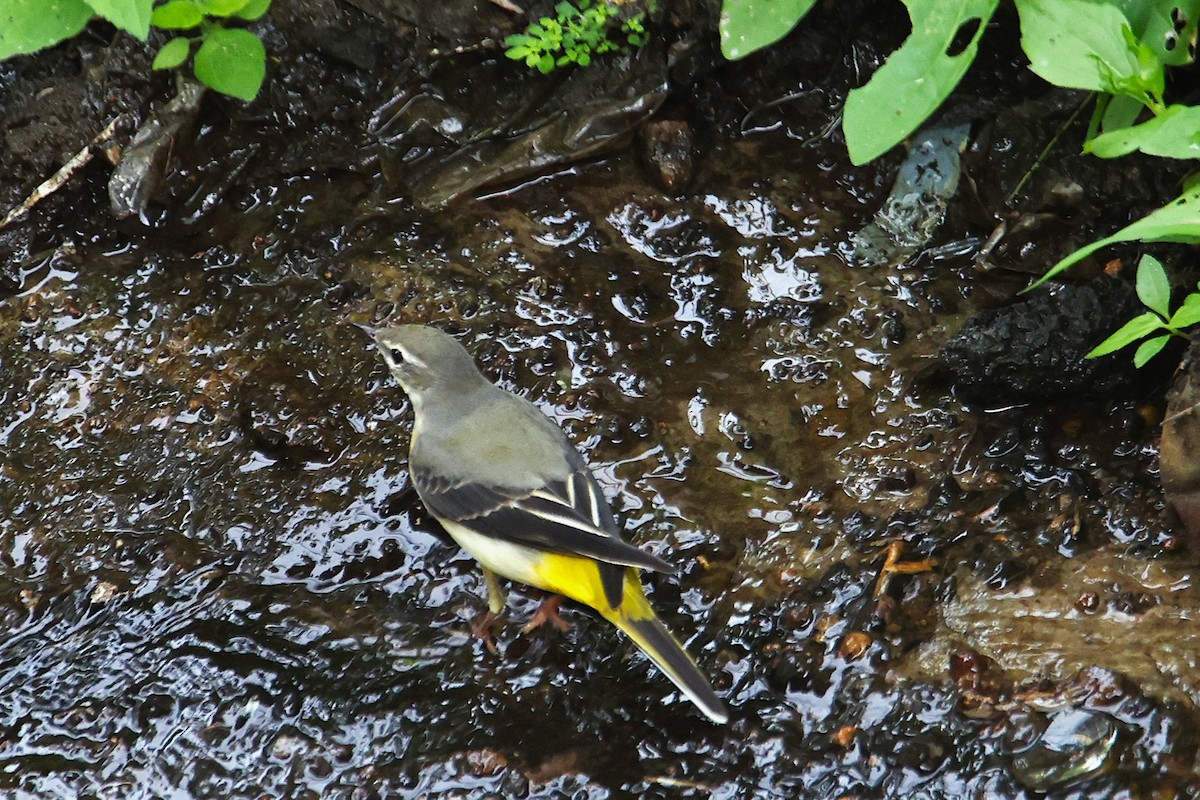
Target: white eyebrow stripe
[411,359]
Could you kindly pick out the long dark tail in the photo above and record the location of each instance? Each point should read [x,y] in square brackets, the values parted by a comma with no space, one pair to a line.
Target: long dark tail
[670,657]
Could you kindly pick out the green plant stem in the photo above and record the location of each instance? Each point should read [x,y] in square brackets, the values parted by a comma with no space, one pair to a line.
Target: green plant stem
[1049,146]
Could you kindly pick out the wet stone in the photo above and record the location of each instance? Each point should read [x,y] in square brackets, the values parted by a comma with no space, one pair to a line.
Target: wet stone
[667,150]
[1088,602]
[1180,476]
[1034,349]
[1076,745]
[854,645]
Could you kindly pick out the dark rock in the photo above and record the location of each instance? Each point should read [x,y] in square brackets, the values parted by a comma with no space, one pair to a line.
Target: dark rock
[590,113]
[1179,469]
[353,35]
[1035,350]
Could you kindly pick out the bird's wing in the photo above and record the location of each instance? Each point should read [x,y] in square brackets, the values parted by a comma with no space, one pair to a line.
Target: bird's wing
[570,517]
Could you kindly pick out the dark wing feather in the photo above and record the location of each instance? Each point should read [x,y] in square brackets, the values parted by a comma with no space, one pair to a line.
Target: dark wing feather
[459,501]
[570,517]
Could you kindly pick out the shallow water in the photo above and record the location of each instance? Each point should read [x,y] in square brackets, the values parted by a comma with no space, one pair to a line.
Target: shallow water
[215,580]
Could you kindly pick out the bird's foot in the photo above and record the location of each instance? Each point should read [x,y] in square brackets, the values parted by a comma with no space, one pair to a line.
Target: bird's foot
[481,629]
[548,612]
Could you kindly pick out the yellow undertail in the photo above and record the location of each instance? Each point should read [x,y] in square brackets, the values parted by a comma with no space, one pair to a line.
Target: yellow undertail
[579,579]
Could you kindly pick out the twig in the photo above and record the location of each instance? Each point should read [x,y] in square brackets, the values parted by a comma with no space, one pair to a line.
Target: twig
[64,174]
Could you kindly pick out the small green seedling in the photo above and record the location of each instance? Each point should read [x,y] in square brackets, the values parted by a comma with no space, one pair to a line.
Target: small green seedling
[230,60]
[1154,290]
[574,36]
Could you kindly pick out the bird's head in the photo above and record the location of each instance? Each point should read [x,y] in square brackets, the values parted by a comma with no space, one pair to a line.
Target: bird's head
[426,361]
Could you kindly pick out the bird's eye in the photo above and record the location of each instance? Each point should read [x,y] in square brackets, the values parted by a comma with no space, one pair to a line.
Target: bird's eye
[396,355]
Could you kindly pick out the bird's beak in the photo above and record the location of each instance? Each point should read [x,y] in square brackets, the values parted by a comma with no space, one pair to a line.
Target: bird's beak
[367,329]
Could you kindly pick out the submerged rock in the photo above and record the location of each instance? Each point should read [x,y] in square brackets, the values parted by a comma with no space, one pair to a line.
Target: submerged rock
[925,184]
[1075,746]
[667,149]
[591,113]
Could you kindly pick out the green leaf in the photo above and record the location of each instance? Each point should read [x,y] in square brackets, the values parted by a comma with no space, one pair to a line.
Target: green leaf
[916,78]
[518,52]
[1153,287]
[176,15]
[1146,84]
[222,8]
[131,16]
[33,25]
[232,61]
[1076,43]
[253,10]
[1175,133]
[1128,333]
[1149,349]
[1188,313]
[749,25]
[1154,21]
[545,63]
[1177,221]
[172,54]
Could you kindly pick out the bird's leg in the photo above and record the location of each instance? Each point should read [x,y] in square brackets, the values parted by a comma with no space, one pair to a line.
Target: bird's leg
[481,628]
[548,612]
[497,597]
